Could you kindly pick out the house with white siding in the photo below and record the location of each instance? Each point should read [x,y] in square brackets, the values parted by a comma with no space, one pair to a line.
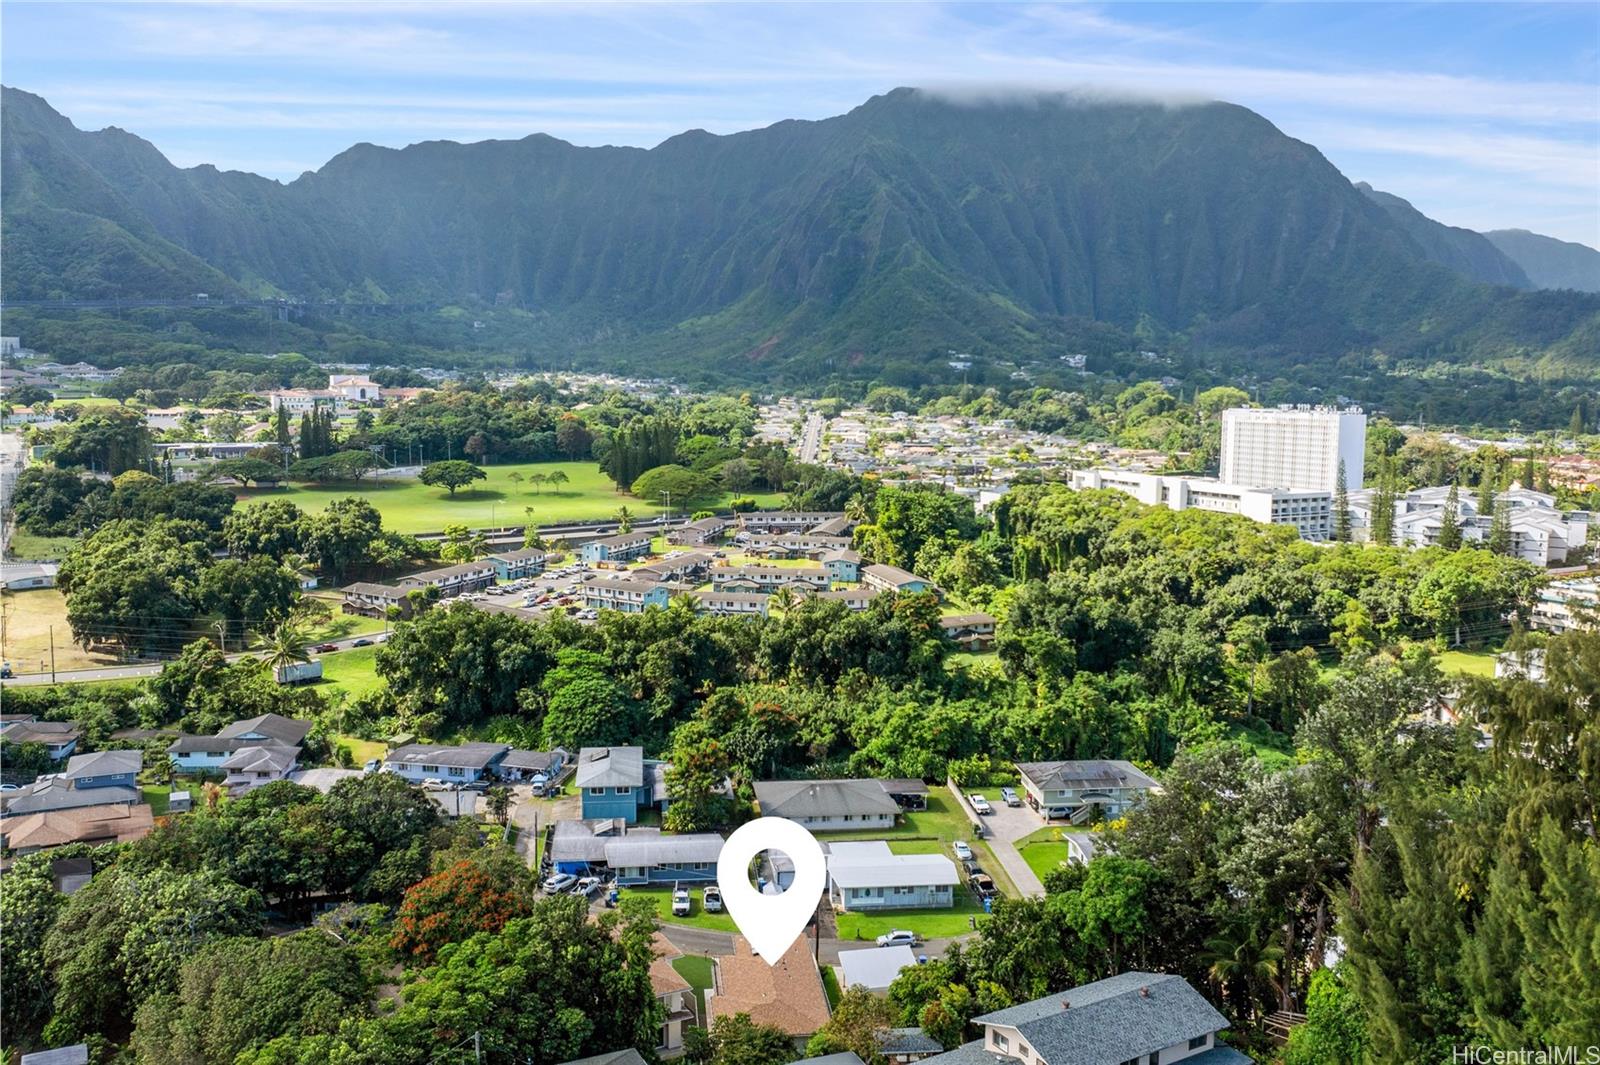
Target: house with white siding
[249,768]
[189,753]
[462,763]
[864,876]
[1076,790]
[828,805]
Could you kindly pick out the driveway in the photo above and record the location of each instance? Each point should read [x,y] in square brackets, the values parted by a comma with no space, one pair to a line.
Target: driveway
[1007,825]
[532,816]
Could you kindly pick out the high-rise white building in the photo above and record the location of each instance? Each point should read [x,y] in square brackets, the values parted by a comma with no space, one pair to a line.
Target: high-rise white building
[1294,448]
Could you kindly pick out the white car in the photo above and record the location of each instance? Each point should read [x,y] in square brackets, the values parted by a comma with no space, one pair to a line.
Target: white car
[1010,797]
[680,902]
[711,899]
[586,886]
[980,804]
[899,937]
[963,852]
[559,884]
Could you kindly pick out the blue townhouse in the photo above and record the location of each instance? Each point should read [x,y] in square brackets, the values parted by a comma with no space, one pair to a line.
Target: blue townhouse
[843,565]
[623,548]
[618,782]
[514,565]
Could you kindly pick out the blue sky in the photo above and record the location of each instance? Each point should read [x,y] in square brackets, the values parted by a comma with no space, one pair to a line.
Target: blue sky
[1483,115]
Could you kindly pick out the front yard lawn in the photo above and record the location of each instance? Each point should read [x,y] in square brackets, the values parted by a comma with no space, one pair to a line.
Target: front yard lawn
[698,917]
[699,971]
[929,924]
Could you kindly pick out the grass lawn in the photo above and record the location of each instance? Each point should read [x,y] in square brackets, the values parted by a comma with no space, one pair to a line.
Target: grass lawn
[929,924]
[699,972]
[351,672]
[830,986]
[941,822]
[410,506]
[340,625]
[157,796]
[1469,663]
[29,617]
[40,548]
[986,662]
[363,750]
[1043,856]
[698,917]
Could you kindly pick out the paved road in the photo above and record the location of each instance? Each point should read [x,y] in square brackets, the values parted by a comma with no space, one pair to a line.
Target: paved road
[147,669]
[811,437]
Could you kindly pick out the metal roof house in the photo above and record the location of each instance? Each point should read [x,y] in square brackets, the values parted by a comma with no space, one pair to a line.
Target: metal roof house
[514,565]
[635,855]
[1075,790]
[618,782]
[1147,1018]
[622,548]
[828,805]
[874,968]
[895,579]
[868,876]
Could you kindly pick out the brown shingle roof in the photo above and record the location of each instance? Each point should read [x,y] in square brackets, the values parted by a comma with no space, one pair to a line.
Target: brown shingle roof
[787,995]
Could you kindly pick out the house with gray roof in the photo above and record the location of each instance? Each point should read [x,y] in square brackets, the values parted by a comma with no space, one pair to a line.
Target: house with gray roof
[520,765]
[618,782]
[461,763]
[104,769]
[629,1056]
[514,565]
[828,805]
[249,768]
[60,738]
[56,792]
[1148,1018]
[190,753]
[1076,790]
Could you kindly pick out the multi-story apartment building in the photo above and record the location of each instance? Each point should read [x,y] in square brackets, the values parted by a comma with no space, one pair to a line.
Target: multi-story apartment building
[1293,447]
[1309,511]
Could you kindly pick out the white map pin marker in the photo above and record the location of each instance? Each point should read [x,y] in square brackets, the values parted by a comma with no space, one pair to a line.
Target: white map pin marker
[771,922]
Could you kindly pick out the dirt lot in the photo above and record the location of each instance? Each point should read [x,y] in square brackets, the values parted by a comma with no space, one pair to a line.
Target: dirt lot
[25,639]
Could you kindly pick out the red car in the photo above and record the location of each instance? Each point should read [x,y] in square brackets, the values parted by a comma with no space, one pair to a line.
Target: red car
[325,648]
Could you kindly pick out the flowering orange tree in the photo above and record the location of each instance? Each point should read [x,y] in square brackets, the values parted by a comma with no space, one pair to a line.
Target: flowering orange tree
[450,906]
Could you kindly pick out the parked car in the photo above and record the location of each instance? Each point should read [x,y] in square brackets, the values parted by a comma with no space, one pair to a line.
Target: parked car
[1010,796]
[899,937]
[372,765]
[963,851]
[982,885]
[5,671]
[980,804]
[559,884]
[971,867]
[362,643]
[586,886]
[9,787]
[680,902]
[440,785]
[711,899]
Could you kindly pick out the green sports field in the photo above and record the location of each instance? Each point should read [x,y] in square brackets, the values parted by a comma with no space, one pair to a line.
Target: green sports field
[412,507]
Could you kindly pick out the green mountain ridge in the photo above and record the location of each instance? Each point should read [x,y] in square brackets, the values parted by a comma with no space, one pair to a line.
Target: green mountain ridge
[909,226]
[1548,262]
[1468,253]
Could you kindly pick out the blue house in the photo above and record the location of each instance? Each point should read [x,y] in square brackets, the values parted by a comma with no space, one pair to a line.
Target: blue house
[617,782]
[842,565]
[104,769]
[514,565]
[895,579]
[646,856]
[623,548]
[635,855]
[189,753]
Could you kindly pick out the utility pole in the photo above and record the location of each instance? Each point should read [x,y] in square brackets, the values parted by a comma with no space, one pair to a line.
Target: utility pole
[52,654]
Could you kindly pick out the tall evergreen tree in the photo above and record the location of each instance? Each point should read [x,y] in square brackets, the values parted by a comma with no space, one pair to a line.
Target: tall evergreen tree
[1383,504]
[1450,532]
[1500,532]
[1341,507]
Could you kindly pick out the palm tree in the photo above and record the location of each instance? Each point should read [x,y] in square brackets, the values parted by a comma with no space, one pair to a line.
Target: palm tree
[624,520]
[286,646]
[499,801]
[856,508]
[1241,962]
[784,599]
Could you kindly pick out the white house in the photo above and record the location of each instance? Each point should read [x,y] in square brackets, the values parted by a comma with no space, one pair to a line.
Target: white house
[464,763]
[868,876]
[1075,790]
[249,768]
[210,752]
